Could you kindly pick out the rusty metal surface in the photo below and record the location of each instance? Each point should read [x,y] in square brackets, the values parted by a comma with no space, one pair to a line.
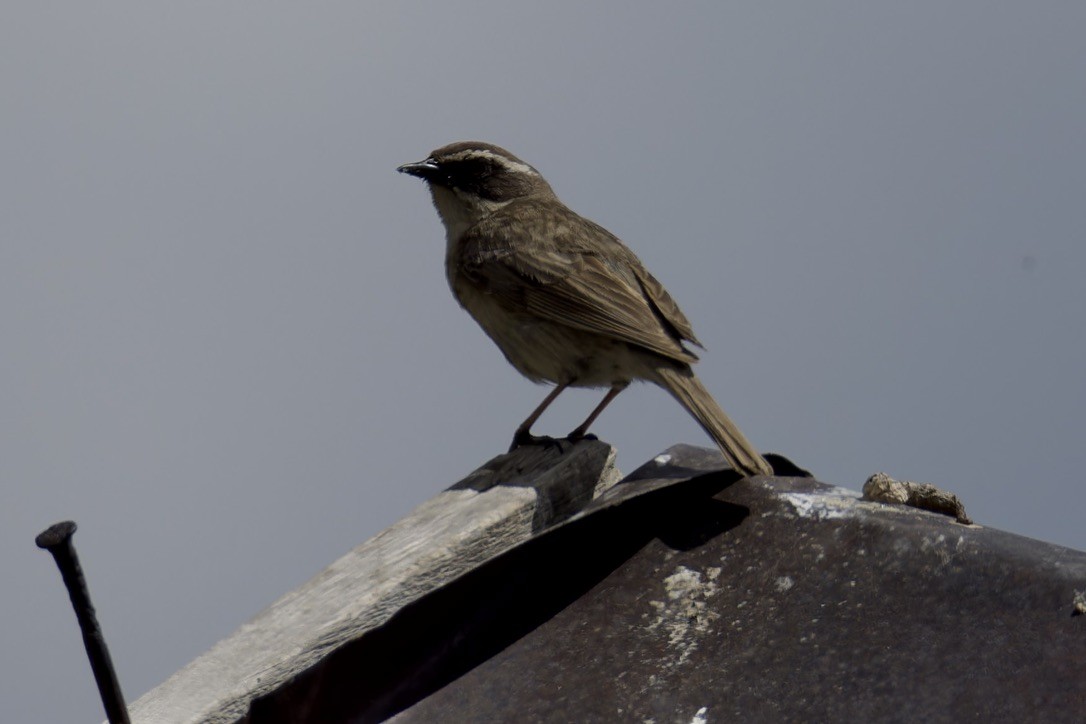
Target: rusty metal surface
[715,599]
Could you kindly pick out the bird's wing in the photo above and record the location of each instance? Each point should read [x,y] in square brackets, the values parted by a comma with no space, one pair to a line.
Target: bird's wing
[665,306]
[608,294]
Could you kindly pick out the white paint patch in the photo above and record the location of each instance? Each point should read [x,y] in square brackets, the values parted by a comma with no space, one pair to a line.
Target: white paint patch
[685,615]
[662,459]
[834,503]
[699,717]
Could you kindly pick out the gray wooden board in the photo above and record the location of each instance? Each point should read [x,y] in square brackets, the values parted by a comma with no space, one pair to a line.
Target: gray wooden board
[504,502]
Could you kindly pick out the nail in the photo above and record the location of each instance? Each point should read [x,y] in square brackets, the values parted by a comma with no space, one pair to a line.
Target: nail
[57,539]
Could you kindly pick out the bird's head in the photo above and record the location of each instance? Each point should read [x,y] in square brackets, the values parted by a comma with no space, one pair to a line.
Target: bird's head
[470,180]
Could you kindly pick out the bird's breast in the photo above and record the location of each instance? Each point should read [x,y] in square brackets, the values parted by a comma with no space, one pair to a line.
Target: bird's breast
[547,351]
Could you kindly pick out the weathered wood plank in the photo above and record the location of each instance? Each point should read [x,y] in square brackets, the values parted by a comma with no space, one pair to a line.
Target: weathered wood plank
[494,508]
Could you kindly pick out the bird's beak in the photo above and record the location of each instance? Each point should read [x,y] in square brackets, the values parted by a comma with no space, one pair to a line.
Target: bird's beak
[423,169]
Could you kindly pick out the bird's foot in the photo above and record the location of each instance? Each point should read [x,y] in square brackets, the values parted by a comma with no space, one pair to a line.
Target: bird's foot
[576,436]
[524,438]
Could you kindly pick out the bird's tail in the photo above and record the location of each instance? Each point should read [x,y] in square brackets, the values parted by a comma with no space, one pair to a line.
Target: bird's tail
[685,387]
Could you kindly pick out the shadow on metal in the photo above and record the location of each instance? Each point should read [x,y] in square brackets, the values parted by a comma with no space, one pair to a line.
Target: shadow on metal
[450,631]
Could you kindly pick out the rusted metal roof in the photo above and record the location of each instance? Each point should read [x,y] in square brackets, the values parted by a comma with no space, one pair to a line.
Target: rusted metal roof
[685,594]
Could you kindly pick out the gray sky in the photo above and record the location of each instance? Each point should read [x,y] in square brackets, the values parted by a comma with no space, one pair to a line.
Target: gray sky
[230,354]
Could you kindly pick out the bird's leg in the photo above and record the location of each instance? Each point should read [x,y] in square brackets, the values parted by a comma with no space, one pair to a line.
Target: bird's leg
[523,435]
[582,429]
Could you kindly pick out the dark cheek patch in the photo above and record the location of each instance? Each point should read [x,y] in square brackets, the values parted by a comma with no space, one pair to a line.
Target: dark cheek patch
[487,179]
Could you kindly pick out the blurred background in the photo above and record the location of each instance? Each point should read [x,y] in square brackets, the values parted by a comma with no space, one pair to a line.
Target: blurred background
[230,354]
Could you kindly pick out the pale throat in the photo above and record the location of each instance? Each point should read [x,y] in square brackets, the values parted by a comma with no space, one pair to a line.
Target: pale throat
[460,211]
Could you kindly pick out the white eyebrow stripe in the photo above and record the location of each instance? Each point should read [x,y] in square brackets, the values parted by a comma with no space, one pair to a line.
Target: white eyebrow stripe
[515,166]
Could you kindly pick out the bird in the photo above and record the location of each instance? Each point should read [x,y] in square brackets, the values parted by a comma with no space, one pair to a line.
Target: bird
[564,299]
